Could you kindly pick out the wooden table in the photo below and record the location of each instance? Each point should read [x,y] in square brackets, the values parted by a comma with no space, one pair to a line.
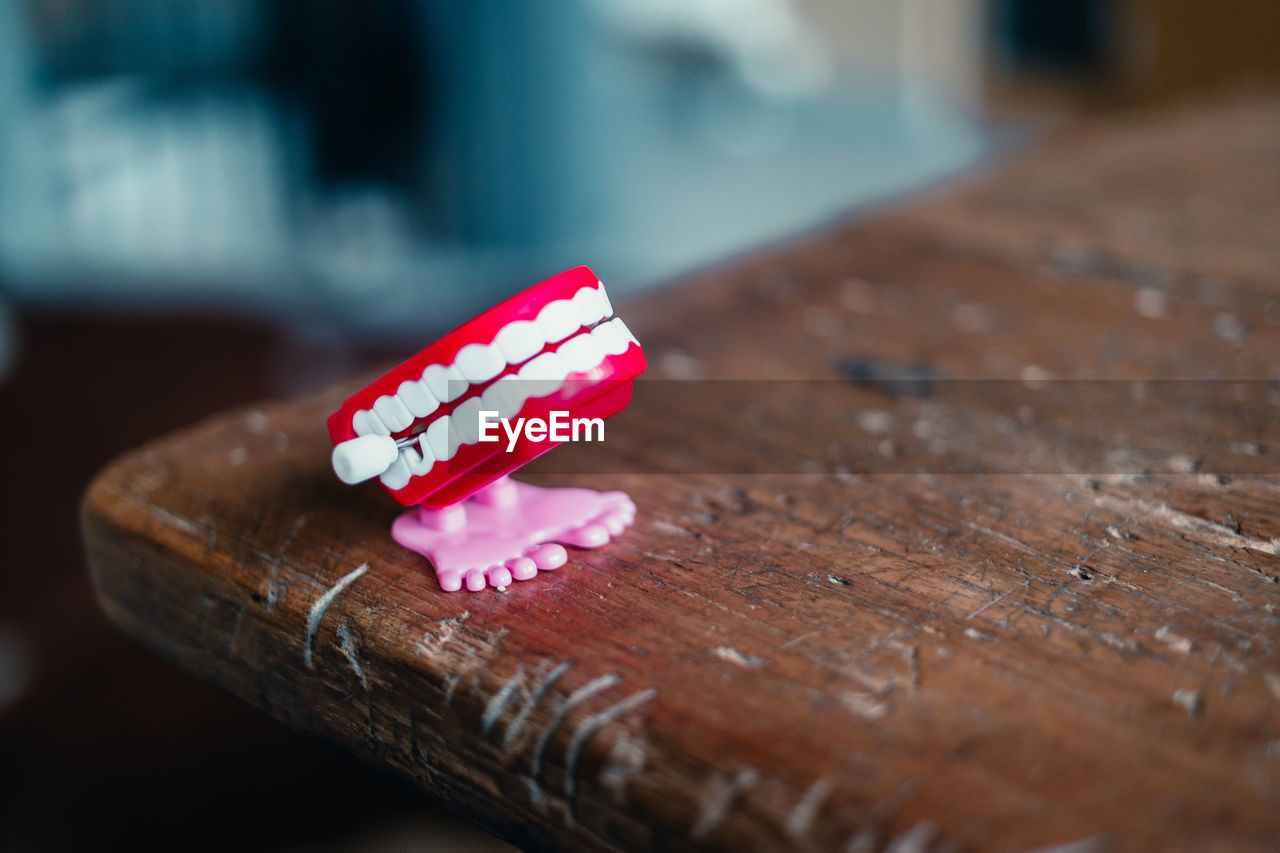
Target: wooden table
[994,619]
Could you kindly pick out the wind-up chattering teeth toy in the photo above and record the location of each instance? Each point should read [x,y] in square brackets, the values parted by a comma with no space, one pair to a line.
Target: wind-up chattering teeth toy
[443,431]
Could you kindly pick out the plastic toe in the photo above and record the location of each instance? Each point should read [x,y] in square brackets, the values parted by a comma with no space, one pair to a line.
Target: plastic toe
[548,557]
[587,536]
[522,568]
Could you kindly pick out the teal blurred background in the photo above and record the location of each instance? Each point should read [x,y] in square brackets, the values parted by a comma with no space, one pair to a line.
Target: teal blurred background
[390,166]
[209,202]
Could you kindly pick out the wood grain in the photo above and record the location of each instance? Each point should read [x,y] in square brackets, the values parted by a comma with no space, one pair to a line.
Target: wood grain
[853,658]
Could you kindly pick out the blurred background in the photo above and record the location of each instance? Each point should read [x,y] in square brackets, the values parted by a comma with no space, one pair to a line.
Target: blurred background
[208,202]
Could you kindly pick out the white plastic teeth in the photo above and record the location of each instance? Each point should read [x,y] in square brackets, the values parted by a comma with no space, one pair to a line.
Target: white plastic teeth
[417,398]
[477,363]
[537,378]
[558,320]
[392,412]
[464,425]
[445,383]
[517,343]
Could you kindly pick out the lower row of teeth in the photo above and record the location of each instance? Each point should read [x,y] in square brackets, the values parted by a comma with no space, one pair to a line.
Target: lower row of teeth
[371,454]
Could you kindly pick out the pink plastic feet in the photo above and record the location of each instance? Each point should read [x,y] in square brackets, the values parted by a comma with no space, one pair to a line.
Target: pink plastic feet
[509,532]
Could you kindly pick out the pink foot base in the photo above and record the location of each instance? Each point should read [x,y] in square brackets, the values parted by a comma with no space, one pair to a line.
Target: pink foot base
[511,531]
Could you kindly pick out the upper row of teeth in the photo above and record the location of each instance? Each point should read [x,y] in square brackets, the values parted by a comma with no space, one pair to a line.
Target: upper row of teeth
[538,378]
[477,363]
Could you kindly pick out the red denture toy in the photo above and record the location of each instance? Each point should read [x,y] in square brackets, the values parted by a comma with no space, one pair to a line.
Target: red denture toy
[445,428]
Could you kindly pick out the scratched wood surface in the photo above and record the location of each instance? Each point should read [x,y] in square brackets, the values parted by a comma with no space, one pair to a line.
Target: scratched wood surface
[845,658]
